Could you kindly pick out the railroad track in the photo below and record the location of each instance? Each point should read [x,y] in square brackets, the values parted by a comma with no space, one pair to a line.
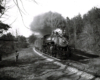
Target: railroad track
[73,65]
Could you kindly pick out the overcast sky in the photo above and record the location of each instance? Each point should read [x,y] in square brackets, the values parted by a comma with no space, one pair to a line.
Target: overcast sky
[68,8]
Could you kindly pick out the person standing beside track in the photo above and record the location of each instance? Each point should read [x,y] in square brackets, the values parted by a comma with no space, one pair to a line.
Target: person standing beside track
[17,55]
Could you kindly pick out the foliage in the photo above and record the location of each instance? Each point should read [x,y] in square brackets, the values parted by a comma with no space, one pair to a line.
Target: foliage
[92,18]
[74,28]
[1,7]
[22,42]
[2,11]
[85,31]
[86,38]
[7,37]
[7,44]
[4,26]
[32,39]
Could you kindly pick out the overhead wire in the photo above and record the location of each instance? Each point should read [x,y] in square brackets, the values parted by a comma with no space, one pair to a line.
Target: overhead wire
[35,1]
[16,3]
[20,13]
[23,6]
[13,21]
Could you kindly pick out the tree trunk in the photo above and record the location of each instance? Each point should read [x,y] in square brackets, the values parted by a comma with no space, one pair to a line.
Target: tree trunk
[75,35]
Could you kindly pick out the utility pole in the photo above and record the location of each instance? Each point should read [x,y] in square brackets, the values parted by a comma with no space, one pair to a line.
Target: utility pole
[16,42]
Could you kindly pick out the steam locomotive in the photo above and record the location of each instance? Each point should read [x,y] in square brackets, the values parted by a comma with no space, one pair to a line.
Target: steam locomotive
[56,44]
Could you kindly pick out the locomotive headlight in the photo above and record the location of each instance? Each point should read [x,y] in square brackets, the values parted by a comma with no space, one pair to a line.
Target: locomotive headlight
[63,40]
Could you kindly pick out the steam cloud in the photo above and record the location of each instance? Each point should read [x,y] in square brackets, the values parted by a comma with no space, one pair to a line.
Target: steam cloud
[45,23]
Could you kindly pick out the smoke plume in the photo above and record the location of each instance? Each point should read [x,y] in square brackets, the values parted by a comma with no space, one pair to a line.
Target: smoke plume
[45,23]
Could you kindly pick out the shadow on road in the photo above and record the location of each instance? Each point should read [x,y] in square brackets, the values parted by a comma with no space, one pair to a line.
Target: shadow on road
[8,78]
[13,63]
[80,56]
[85,54]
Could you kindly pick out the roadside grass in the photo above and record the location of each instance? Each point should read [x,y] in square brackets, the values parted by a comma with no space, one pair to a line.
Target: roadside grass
[28,66]
[94,65]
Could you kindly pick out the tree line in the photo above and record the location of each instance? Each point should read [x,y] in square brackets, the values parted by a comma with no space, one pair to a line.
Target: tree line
[10,43]
[82,30]
[85,30]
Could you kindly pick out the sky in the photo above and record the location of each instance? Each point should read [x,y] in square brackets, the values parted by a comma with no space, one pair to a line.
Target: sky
[30,9]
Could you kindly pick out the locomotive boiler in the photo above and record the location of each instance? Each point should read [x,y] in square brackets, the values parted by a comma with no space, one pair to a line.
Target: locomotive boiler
[56,44]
